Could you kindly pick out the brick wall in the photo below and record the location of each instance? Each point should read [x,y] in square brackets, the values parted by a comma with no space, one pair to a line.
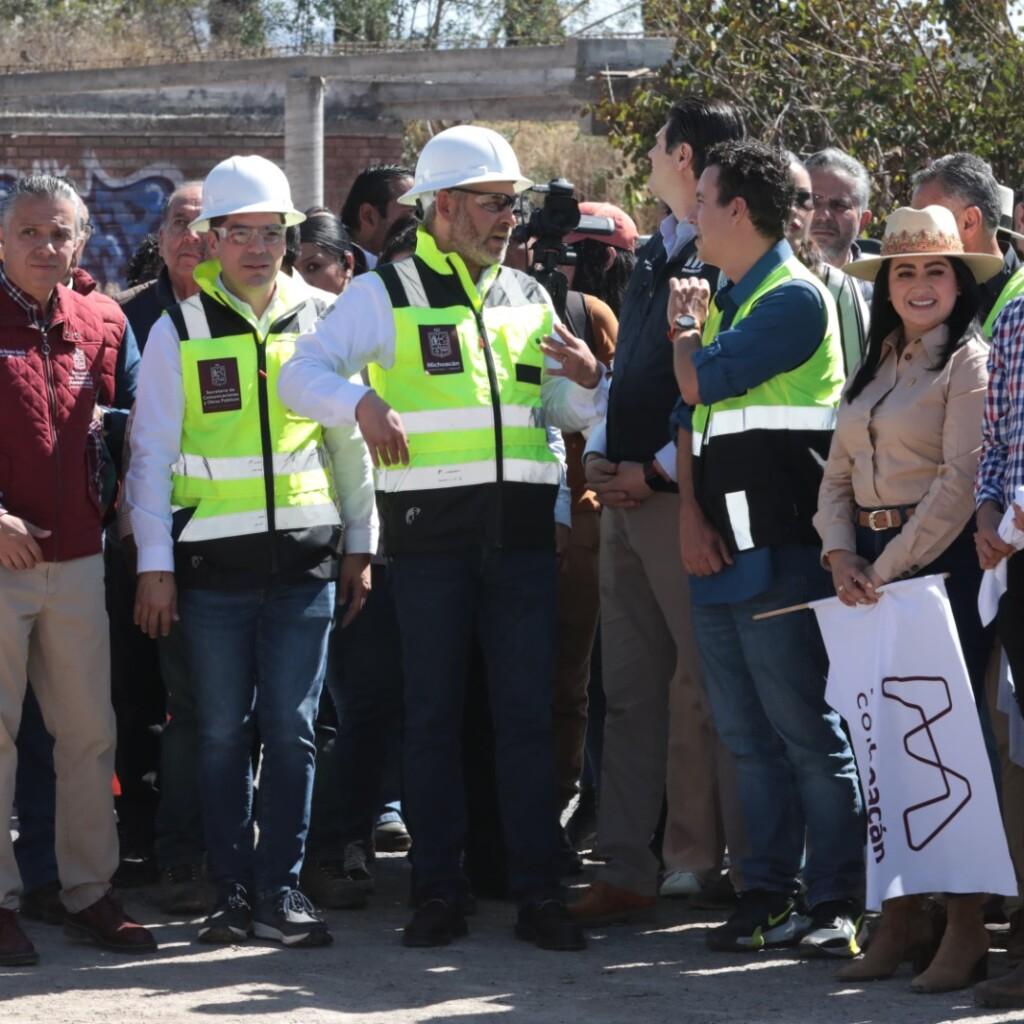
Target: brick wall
[125,180]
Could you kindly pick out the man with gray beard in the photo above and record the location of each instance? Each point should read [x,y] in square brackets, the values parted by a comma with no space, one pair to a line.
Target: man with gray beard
[467,365]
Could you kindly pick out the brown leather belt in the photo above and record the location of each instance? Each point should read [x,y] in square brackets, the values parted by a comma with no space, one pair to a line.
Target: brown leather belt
[879,519]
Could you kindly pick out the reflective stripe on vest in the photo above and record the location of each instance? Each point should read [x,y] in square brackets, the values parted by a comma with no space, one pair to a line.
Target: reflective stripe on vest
[235,429]
[248,466]
[474,418]
[433,478]
[242,524]
[767,417]
[450,357]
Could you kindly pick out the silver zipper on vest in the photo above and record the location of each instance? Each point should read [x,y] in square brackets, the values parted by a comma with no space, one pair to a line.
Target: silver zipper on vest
[51,389]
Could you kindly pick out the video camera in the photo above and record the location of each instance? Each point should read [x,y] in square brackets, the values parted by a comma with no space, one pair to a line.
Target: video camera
[548,226]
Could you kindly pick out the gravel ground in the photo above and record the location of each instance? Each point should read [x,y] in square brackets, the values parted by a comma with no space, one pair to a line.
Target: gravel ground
[661,972]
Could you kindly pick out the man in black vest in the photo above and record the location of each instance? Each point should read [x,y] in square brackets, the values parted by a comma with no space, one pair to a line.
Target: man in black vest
[657,716]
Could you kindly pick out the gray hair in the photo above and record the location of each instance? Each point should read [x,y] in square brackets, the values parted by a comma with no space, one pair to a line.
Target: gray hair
[833,159]
[41,186]
[967,177]
[429,213]
[174,195]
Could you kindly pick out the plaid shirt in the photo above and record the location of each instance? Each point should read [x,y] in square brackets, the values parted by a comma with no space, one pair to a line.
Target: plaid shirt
[1001,469]
[36,317]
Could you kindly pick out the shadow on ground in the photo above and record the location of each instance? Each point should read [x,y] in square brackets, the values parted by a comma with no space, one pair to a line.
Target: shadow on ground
[661,972]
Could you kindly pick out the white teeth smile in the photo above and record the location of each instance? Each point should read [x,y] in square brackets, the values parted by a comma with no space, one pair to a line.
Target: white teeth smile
[922,303]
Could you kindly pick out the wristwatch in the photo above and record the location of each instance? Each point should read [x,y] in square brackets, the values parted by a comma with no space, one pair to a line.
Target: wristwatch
[685,322]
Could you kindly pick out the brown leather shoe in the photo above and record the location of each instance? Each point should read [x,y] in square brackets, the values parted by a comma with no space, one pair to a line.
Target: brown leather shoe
[1005,993]
[602,904]
[106,925]
[16,950]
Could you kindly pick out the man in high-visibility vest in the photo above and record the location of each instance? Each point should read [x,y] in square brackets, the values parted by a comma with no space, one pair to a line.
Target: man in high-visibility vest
[762,371]
[467,366]
[235,508]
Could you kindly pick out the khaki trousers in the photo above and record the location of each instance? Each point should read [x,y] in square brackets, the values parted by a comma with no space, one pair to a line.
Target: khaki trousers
[578,606]
[658,731]
[54,631]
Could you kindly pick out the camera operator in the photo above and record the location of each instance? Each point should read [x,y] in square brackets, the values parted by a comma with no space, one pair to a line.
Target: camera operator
[596,280]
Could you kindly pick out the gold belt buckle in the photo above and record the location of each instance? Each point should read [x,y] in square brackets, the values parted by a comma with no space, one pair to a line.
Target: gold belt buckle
[873,524]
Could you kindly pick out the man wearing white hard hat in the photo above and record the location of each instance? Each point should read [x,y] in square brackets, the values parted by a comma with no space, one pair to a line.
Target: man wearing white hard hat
[467,367]
[238,507]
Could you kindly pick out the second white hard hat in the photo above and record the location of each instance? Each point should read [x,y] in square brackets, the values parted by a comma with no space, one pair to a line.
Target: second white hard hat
[246,184]
[464,155]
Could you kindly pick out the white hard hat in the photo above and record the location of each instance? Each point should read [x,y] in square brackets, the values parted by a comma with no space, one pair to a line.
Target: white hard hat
[246,184]
[464,155]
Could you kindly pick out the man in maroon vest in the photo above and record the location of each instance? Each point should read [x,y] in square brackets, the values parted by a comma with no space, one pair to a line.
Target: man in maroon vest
[58,362]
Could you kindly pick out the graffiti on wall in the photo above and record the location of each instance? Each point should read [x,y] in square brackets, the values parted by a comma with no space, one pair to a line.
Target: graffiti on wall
[123,210]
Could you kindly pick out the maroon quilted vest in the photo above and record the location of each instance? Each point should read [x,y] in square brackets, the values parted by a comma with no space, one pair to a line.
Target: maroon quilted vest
[49,387]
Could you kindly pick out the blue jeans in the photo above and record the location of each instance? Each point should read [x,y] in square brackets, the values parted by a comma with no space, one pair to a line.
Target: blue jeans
[179,816]
[794,768]
[508,599]
[355,755]
[257,655]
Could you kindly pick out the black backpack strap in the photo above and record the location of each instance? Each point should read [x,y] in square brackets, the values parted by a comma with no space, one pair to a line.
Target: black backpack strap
[394,285]
[178,320]
[577,318]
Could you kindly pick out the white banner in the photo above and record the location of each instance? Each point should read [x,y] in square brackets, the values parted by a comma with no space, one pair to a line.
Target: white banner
[898,678]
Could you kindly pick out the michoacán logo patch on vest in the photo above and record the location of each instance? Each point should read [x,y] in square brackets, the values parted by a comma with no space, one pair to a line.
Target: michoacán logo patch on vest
[440,345]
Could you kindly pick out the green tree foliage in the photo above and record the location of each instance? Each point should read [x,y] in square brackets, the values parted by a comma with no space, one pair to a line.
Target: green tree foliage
[532,21]
[895,83]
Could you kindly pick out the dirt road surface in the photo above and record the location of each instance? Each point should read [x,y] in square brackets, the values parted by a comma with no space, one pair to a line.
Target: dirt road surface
[659,973]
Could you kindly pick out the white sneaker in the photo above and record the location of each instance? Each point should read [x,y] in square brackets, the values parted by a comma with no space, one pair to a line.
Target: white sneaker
[679,883]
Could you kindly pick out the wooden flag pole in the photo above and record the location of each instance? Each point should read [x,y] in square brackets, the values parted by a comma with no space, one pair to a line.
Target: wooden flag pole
[806,605]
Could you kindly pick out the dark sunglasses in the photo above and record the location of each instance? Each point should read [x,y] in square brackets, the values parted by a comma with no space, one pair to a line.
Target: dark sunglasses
[804,199]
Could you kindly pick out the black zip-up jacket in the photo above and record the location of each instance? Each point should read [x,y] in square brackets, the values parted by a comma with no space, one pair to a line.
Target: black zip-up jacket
[644,389]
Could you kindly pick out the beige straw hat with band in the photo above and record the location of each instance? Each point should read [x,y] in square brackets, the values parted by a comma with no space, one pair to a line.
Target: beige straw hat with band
[928,232]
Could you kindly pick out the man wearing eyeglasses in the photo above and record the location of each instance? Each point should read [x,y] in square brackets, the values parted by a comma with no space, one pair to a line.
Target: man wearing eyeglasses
[840,190]
[467,366]
[235,506]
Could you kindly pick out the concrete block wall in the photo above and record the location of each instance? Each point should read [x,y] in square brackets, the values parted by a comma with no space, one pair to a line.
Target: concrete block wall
[126,178]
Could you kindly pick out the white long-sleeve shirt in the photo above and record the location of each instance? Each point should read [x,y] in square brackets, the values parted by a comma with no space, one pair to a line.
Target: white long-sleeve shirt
[360,330]
[598,442]
[156,445]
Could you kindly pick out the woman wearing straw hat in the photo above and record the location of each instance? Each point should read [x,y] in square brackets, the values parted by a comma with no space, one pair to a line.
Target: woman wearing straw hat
[897,501]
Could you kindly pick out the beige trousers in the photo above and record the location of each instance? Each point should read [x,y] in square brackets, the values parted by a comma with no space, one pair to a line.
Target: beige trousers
[658,734]
[53,630]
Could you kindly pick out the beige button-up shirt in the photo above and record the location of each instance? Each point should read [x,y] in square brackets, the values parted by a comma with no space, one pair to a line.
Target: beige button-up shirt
[911,437]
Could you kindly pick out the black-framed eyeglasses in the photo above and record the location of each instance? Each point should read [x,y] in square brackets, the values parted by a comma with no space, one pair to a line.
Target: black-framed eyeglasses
[804,200]
[492,202]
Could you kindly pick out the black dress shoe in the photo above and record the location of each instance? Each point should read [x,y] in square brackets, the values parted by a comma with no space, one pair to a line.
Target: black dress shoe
[435,923]
[549,924]
[43,904]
